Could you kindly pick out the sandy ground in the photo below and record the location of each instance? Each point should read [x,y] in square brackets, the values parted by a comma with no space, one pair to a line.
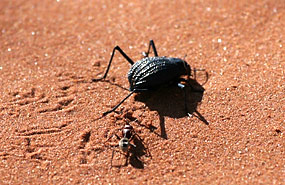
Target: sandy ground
[49,108]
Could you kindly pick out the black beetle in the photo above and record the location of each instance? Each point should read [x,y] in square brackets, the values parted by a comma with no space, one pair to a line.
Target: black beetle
[152,72]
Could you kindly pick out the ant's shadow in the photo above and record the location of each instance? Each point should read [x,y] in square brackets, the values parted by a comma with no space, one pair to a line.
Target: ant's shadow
[169,101]
[135,154]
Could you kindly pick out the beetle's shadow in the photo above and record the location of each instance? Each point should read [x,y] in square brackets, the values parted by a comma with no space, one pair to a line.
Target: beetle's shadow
[169,101]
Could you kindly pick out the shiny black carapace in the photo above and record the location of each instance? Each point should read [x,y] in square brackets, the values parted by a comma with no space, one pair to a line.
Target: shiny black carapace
[151,72]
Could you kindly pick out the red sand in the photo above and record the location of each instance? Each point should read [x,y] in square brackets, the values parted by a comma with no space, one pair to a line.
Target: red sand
[50,51]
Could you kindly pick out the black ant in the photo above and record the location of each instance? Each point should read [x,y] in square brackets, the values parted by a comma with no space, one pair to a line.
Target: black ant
[125,145]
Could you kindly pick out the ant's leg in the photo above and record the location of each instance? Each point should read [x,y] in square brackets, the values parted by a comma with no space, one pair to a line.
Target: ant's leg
[134,146]
[113,109]
[122,53]
[127,158]
[111,137]
[113,156]
[151,44]
[135,134]
[144,144]
[132,137]
[117,137]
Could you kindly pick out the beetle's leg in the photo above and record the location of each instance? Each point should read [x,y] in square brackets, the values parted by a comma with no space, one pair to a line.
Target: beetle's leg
[151,44]
[113,109]
[109,65]
[182,86]
[191,86]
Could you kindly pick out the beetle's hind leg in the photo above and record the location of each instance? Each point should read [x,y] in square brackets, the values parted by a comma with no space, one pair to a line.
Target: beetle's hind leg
[151,44]
[109,65]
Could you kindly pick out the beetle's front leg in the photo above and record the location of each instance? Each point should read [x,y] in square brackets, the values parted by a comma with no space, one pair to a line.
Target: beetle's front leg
[151,44]
[111,59]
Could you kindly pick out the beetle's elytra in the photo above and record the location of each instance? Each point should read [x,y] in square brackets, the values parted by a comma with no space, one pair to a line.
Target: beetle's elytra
[151,72]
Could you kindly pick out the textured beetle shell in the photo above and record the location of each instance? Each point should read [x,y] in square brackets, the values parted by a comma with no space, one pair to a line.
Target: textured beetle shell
[152,72]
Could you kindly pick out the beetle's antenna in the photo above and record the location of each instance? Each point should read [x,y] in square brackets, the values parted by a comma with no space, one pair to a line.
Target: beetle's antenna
[186,67]
[207,74]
